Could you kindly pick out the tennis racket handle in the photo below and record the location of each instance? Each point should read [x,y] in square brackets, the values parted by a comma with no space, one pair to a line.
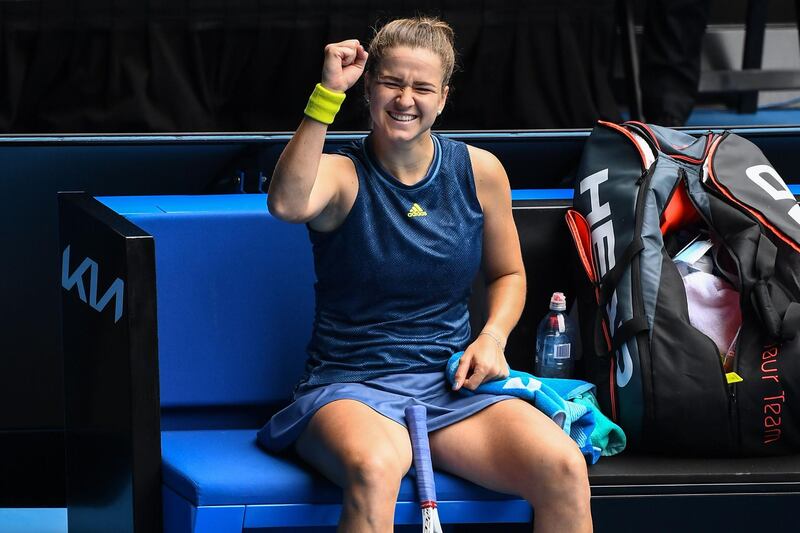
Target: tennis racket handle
[416,418]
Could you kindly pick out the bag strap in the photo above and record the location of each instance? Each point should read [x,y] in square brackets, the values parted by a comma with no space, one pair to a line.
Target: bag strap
[608,284]
[766,254]
[777,328]
[602,346]
[628,330]
[610,281]
[767,315]
[791,322]
[764,266]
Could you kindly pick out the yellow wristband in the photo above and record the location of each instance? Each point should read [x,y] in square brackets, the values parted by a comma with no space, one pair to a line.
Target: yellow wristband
[324,104]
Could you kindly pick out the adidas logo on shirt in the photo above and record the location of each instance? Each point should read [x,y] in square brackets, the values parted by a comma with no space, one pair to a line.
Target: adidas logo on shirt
[416,211]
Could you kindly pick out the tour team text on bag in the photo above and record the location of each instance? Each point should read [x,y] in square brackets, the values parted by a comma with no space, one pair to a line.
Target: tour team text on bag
[690,321]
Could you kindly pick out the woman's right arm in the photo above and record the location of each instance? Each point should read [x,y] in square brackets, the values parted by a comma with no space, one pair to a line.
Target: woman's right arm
[306,183]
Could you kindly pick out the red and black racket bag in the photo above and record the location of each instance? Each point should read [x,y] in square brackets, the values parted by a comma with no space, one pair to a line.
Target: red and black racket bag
[642,193]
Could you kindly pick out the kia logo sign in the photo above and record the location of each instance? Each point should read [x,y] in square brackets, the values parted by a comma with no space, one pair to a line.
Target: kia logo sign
[68,281]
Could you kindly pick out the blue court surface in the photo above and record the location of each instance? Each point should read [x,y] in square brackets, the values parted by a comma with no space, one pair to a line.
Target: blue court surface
[33,520]
[55,521]
[715,117]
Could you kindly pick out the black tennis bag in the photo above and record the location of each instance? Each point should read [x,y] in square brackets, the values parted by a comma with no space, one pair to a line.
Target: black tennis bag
[646,199]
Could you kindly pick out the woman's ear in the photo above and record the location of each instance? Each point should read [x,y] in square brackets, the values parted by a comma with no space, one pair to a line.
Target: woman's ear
[445,92]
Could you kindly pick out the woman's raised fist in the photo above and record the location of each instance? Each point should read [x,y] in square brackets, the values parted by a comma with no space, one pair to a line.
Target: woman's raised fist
[344,64]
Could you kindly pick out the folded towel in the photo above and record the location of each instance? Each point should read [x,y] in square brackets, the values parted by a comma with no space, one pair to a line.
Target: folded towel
[607,436]
[554,398]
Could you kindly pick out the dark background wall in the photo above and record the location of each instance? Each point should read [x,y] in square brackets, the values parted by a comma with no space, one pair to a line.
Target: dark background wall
[249,65]
[92,66]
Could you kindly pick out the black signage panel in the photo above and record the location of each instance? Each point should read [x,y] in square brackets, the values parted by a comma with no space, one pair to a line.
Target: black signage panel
[110,369]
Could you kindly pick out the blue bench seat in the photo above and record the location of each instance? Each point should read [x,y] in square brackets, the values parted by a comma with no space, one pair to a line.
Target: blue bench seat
[235,307]
[223,468]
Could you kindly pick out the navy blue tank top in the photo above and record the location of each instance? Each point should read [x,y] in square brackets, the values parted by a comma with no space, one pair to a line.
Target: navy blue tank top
[394,279]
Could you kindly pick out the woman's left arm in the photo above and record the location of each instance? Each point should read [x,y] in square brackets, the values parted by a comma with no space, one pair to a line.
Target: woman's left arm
[484,359]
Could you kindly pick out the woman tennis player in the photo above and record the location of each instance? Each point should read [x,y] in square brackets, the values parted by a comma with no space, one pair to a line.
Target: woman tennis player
[400,224]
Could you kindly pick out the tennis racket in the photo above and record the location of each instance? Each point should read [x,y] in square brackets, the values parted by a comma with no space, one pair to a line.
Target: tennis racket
[416,418]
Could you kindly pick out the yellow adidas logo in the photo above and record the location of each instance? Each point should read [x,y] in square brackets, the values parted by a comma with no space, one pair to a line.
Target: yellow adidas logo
[416,211]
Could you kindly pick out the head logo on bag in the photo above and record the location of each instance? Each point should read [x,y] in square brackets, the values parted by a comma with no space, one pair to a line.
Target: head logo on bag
[603,244]
[660,218]
[756,174]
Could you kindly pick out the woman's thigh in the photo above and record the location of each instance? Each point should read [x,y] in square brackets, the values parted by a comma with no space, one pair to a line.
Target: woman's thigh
[346,435]
[506,447]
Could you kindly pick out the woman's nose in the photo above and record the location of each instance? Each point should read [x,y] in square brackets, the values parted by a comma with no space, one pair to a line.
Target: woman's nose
[405,98]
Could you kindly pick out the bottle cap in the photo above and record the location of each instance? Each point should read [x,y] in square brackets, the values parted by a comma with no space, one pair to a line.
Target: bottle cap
[558,302]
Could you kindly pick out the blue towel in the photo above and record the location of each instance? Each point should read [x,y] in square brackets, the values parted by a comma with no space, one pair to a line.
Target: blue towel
[607,436]
[552,397]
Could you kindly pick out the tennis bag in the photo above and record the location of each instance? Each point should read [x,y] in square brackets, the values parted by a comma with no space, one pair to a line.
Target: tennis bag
[641,193]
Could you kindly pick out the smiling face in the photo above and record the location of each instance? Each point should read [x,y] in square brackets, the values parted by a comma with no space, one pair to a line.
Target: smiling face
[406,93]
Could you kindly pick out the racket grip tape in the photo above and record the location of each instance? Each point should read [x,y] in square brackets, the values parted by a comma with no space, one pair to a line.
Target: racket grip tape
[416,419]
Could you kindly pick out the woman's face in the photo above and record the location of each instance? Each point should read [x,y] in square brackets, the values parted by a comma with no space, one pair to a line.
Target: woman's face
[405,93]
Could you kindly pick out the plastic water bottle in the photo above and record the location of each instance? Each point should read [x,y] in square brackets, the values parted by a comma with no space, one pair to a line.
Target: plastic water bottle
[555,357]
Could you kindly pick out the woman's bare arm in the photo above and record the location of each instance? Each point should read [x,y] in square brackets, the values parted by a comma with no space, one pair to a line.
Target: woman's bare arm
[306,183]
[504,272]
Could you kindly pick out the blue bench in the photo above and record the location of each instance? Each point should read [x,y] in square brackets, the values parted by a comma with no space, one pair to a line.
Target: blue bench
[166,392]
[235,304]
[235,307]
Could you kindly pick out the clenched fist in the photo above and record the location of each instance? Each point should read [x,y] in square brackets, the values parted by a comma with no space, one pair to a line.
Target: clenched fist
[344,64]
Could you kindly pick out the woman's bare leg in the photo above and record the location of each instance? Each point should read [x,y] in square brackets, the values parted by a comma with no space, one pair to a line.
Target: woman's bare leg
[363,452]
[512,447]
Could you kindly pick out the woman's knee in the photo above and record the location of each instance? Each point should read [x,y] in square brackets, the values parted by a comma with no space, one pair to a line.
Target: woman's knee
[375,470]
[571,465]
[562,476]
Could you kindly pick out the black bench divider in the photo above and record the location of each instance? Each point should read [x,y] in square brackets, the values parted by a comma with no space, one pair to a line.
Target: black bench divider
[112,422]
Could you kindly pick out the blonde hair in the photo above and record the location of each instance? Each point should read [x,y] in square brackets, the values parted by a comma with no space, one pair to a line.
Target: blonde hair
[429,33]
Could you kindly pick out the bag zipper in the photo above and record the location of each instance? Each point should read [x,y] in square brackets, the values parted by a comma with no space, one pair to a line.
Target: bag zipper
[733,404]
[642,345]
